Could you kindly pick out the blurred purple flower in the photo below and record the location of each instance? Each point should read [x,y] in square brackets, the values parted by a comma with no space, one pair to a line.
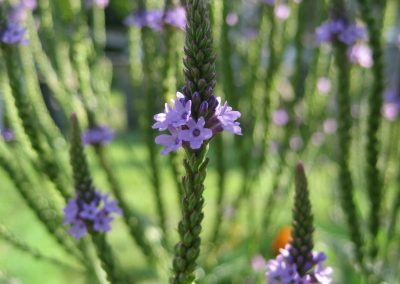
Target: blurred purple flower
[170,142]
[317,138]
[29,4]
[156,19]
[282,11]
[391,106]
[324,85]
[176,17]
[232,19]
[84,215]
[330,126]
[7,134]
[196,134]
[146,18]
[13,33]
[360,54]
[296,143]
[280,117]
[339,29]
[258,263]
[98,135]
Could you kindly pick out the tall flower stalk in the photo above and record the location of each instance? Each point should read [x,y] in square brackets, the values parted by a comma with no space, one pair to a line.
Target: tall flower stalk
[194,118]
[298,263]
[90,211]
[375,101]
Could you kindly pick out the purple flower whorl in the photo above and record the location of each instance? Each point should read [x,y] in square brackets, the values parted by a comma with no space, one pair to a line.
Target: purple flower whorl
[13,32]
[90,212]
[283,269]
[298,263]
[187,131]
[98,135]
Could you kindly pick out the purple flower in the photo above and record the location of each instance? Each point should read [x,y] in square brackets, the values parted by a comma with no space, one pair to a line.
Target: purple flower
[78,229]
[330,126]
[196,133]
[152,19]
[360,54]
[282,12]
[176,116]
[232,19]
[258,263]
[176,17]
[351,34]
[391,106]
[98,135]
[339,29]
[227,117]
[283,270]
[170,142]
[280,117]
[29,4]
[8,135]
[324,85]
[84,215]
[13,33]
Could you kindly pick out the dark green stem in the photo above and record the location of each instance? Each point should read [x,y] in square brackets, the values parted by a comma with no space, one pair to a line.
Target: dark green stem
[302,225]
[188,248]
[373,175]
[344,135]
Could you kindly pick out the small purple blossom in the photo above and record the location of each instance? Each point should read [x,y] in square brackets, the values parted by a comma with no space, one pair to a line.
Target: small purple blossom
[341,30]
[146,18]
[227,118]
[324,85]
[13,33]
[282,12]
[282,269]
[280,117]
[176,116]
[330,126]
[171,142]
[391,106]
[100,3]
[360,54]
[29,4]
[232,19]
[7,134]
[84,215]
[176,17]
[156,19]
[258,263]
[98,135]
[196,134]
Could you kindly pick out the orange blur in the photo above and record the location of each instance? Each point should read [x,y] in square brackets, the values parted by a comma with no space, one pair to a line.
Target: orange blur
[283,237]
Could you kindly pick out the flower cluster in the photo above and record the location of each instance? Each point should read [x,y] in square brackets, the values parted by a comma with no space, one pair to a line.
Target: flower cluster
[13,31]
[98,135]
[283,269]
[185,129]
[89,212]
[340,30]
[157,19]
[349,34]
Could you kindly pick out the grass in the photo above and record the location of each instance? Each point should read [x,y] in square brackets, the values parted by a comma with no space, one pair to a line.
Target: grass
[233,264]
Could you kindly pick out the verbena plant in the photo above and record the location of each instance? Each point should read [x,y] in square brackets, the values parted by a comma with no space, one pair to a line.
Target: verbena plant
[310,80]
